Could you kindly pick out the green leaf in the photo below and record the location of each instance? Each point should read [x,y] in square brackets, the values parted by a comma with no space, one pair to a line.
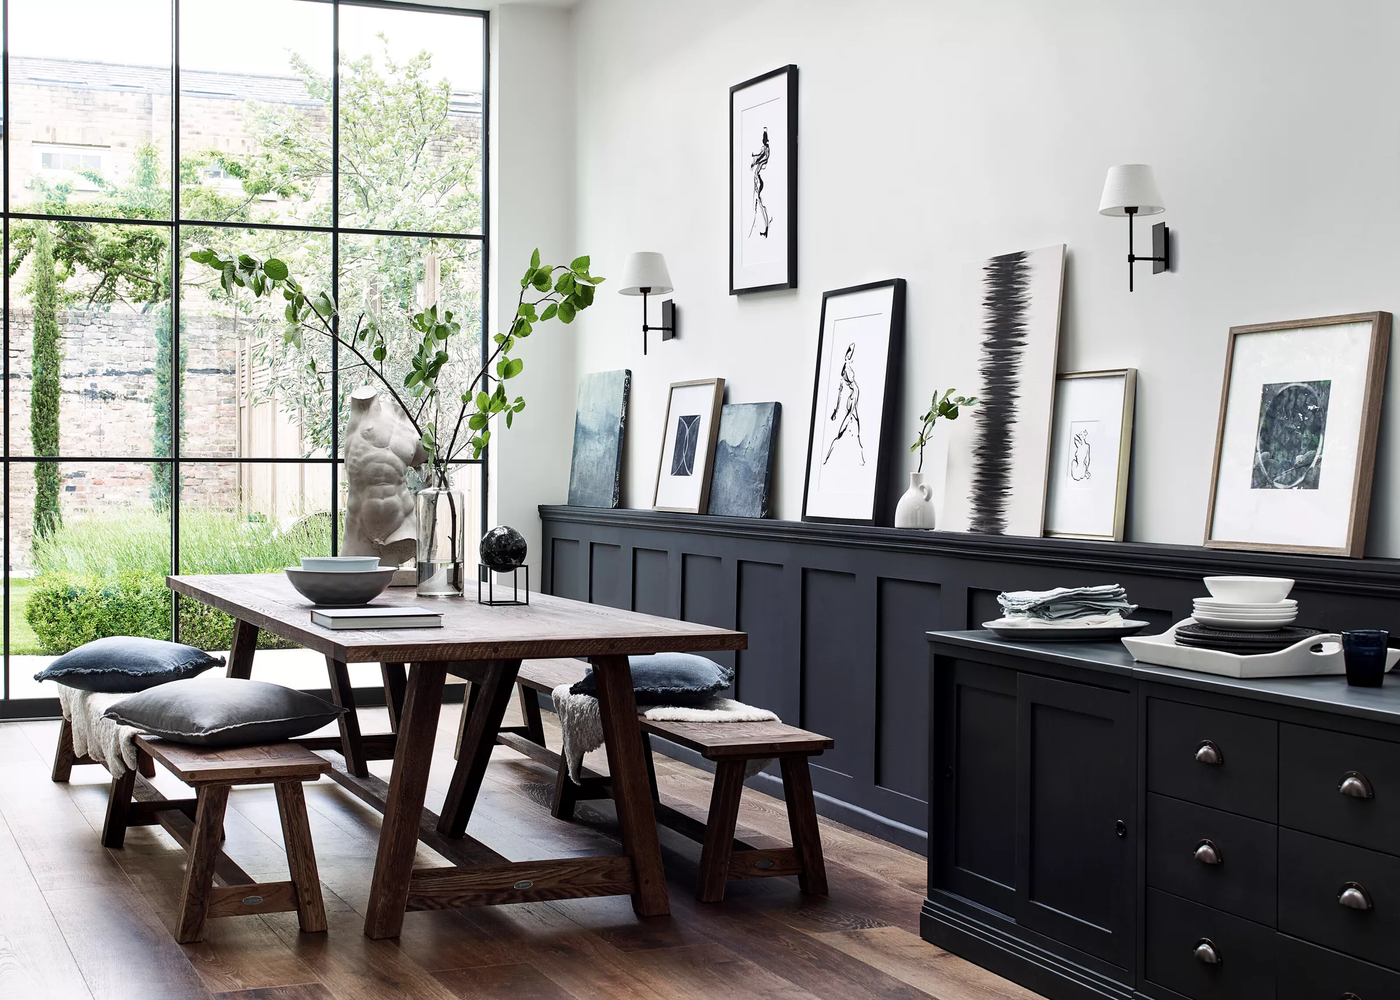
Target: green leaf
[565,284]
[275,269]
[580,265]
[477,421]
[566,312]
[535,258]
[510,415]
[483,401]
[541,281]
[549,312]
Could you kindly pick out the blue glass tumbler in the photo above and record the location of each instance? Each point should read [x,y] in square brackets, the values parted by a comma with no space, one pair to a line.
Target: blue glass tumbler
[1364,651]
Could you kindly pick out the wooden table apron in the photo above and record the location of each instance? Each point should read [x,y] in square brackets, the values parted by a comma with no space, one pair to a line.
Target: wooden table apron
[484,645]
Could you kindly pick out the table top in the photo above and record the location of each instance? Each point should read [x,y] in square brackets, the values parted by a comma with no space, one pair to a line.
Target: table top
[1328,693]
[546,627]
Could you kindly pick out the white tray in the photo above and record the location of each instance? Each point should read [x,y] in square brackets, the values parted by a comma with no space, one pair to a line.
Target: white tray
[1298,660]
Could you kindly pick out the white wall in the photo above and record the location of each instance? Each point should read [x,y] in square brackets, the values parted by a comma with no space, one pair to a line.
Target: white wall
[934,132]
[532,205]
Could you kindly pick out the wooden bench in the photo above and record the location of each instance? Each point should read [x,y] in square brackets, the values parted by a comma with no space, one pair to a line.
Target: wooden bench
[731,745]
[212,771]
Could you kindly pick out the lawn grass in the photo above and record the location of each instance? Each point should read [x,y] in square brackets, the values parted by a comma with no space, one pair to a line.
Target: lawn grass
[23,641]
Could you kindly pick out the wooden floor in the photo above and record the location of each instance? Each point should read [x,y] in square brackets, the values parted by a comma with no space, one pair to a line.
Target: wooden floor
[79,921]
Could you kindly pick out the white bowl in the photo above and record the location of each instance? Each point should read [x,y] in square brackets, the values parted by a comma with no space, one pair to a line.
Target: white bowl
[340,564]
[1249,589]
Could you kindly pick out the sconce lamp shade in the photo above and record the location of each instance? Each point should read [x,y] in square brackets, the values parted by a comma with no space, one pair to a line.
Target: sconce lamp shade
[645,270]
[1130,185]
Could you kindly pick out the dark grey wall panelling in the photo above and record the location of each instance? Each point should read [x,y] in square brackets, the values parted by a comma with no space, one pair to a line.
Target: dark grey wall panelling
[836,617]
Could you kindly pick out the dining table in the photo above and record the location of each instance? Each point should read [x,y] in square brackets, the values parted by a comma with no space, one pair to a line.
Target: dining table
[483,644]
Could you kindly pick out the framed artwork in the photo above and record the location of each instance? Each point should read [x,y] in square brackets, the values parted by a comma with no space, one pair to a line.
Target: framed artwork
[600,419]
[1091,446]
[1295,445]
[743,478]
[763,182]
[688,446]
[999,452]
[853,407]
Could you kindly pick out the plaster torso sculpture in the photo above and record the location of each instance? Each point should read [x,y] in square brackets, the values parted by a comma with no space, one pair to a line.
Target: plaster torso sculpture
[381,445]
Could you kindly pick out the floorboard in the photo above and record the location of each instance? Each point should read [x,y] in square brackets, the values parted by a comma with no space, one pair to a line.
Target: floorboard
[79,922]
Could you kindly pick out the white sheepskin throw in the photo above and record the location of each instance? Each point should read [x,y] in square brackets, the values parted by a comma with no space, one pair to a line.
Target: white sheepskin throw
[582,723]
[93,736]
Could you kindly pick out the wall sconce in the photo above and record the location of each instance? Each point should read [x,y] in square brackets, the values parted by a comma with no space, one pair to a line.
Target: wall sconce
[1131,190]
[645,274]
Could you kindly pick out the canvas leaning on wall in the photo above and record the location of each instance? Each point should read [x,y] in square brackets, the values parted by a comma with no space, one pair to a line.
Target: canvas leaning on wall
[743,478]
[999,454]
[600,421]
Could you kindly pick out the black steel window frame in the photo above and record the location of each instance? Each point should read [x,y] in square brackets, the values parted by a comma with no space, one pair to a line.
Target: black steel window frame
[48,707]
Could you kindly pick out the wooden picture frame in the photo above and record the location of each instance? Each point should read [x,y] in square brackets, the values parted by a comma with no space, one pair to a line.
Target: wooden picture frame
[875,343]
[755,164]
[1331,516]
[683,480]
[1073,511]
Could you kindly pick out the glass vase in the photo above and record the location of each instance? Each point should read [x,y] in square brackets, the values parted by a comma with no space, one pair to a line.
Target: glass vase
[441,542]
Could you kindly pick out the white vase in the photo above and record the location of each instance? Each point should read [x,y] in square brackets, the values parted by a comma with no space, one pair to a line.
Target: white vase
[915,508]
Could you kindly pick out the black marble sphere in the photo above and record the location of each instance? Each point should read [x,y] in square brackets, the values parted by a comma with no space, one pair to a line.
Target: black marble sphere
[502,549]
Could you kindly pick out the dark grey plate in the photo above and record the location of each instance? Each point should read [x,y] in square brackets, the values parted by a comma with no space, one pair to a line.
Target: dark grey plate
[1105,632]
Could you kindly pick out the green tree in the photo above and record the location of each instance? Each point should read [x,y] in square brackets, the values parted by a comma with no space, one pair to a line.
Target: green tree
[46,390]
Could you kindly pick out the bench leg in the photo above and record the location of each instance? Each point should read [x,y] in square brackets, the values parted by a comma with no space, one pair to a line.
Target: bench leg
[719,831]
[118,808]
[63,755]
[530,710]
[204,852]
[301,856]
[802,821]
[145,764]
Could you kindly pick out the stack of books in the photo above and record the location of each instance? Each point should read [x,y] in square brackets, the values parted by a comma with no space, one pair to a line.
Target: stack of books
[372,616]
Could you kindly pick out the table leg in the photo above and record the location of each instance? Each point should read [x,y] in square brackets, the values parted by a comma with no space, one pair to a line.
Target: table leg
[631,790]
[351,743]
[408,786]
[240,655]
[395,681]
[474,751]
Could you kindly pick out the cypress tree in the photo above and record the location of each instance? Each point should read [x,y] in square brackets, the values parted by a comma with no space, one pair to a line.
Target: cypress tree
[44,396]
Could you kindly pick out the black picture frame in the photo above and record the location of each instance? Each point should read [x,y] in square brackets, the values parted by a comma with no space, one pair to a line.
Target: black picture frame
[790,148]
[889,405]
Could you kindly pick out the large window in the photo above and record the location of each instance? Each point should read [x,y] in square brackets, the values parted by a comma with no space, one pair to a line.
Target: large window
[153,421]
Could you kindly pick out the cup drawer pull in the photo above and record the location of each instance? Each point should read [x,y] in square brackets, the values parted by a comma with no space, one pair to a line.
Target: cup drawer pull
[1209,753]
[1208,854]
[1206,952]
[1354,785]
[1354,896]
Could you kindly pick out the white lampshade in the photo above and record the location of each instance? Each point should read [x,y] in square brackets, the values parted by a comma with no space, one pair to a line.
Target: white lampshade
[645,270]
[1130,185]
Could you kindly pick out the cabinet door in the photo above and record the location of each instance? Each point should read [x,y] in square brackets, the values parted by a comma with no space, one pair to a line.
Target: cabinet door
[1075,832]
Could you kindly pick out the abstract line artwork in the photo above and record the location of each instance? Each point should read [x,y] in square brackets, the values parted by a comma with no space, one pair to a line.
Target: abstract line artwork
[687,438]
[760,210]
[847,389]
[1292,427]
[999,457]
[744,455]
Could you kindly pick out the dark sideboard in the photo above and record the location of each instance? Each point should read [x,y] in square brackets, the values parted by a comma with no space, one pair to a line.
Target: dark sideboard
[837,617]
[1110,829]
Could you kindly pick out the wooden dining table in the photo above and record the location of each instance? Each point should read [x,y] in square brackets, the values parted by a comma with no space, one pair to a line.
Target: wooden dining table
[483,644]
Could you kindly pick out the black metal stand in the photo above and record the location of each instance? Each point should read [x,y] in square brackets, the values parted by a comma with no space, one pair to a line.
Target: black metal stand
[485,574]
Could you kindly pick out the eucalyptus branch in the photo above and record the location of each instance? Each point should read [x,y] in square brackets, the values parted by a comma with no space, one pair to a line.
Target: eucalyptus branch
[947,408]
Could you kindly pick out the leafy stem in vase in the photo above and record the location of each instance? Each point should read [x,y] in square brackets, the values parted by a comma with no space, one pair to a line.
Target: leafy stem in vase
[946,407]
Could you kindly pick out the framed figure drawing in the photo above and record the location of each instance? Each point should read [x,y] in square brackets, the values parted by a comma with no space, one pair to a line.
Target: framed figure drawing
[858,349]
[763,182]
[1090,449]
[999,452]
[688,446]
[595,472]
[1295,444]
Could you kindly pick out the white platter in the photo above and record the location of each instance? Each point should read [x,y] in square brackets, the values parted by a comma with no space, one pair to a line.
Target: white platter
[1030,633]
[1230,613]
[1298,660]
[1213,602]
[1242,624]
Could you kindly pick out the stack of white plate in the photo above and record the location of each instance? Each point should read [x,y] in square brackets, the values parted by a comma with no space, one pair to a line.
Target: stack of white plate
[1246,603]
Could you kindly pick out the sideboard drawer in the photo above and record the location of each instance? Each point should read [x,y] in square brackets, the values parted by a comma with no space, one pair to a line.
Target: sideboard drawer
[1213,857]
[1307,972]
[1217,758]
[1180,934]
[1340,786]
[1313,874]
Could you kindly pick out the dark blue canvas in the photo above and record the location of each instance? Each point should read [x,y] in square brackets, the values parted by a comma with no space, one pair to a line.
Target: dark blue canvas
[669,679]
[121,664]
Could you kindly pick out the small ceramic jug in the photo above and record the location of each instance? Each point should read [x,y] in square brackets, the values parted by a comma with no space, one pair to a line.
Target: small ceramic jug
[915,508]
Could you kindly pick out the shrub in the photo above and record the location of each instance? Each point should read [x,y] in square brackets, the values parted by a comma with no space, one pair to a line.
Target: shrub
[66,611]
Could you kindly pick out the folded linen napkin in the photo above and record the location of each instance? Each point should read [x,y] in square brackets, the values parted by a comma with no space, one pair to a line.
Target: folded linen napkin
[582,723]
[1066,602]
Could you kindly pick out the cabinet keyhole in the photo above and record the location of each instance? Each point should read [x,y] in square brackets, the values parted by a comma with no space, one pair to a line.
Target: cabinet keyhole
[1120,828]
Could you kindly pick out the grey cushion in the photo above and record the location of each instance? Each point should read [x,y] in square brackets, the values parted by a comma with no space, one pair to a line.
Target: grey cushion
[669,679]
[120,663]
[223,712]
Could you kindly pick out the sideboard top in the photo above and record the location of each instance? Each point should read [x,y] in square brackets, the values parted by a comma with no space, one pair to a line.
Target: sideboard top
[1328,694]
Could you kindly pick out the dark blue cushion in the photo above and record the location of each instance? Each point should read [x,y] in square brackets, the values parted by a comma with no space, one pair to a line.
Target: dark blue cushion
[669,679]
[121,664]
[224,712]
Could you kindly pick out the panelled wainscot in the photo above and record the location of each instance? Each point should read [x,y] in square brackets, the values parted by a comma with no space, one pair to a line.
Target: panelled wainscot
[1102,828]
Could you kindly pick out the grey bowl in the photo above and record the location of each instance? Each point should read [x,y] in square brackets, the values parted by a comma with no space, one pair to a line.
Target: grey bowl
[337,589]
